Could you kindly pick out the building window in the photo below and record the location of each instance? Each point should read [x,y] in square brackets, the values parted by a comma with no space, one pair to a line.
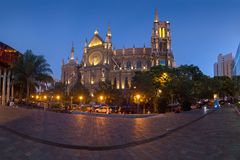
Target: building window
[128,65]
[126,83]
[115,83]
[163,33]
[149,64]
[118,85]
[162,62]
[139,64]
[160,32]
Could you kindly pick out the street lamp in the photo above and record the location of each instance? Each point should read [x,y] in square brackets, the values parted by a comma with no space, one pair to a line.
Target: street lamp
[159,91]
[101,99]
[138,96]
[58,97]
[80,98]
[215,96]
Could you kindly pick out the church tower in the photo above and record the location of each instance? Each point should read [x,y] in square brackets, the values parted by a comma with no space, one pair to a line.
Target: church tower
[161,43]
[108,40]
[69,71]
[72,53]
[96,60]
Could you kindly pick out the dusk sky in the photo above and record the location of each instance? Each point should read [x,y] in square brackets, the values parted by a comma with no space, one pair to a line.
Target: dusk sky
[201,29]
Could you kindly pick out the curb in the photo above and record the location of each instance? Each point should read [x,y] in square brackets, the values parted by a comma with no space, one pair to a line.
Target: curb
[104,148]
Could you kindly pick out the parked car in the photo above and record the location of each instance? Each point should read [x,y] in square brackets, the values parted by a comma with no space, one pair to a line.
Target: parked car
[101,109]
[97,105]
[115,109]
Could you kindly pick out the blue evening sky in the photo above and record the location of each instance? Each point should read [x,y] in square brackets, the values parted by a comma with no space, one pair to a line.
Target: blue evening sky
[201,29]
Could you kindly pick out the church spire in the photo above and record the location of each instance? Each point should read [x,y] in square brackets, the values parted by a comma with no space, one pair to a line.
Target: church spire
[96,32]
[108,39]
[109,31]
[86,43]
[72,52]
[156,19]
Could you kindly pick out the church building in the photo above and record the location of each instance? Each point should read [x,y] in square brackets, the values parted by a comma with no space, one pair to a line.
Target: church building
[100,62]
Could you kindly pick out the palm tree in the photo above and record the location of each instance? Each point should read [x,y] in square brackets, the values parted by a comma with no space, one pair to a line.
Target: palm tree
[30,70]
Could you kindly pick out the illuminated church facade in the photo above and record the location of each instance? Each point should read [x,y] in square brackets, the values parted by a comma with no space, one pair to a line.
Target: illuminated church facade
[101,63]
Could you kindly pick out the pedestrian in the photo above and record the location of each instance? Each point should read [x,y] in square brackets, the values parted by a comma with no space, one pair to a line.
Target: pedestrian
[110,110]
[119,110]
[11,104]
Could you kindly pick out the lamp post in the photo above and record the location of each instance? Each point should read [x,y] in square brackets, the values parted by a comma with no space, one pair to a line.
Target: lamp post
[155,100]
[71,101]
[138,101]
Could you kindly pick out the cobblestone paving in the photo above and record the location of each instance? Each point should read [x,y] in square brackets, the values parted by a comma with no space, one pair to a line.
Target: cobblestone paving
[88,130]
[216,136]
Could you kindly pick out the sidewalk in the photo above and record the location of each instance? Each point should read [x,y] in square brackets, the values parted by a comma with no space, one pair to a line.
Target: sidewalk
[90,131]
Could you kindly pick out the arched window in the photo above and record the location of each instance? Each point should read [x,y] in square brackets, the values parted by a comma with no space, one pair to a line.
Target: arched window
[126,83]
[115,83]
[149,64]
[128,65]
[162,62]
[139,64]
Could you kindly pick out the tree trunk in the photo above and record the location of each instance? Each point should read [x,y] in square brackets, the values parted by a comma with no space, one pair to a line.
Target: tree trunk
[28,91]
[155,105]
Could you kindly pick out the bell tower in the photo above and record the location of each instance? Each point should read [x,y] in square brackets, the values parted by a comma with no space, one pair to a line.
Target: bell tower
[161,43]
[108,40]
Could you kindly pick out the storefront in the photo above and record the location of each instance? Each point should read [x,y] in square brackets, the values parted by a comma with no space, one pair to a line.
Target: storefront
[8,56]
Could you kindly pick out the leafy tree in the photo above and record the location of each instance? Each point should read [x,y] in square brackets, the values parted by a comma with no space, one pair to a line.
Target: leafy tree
[150,83]
[110,94]
[80,90]
[203,88]
[189,86]
[143,84]
[57,88]
[224,86]
[236,82]
[30,70]
[185,83]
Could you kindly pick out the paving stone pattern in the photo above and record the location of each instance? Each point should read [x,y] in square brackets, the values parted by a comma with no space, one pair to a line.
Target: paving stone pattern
[216,136]
[85,130]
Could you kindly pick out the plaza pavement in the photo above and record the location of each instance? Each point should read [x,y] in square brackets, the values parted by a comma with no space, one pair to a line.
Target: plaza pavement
[215,136]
